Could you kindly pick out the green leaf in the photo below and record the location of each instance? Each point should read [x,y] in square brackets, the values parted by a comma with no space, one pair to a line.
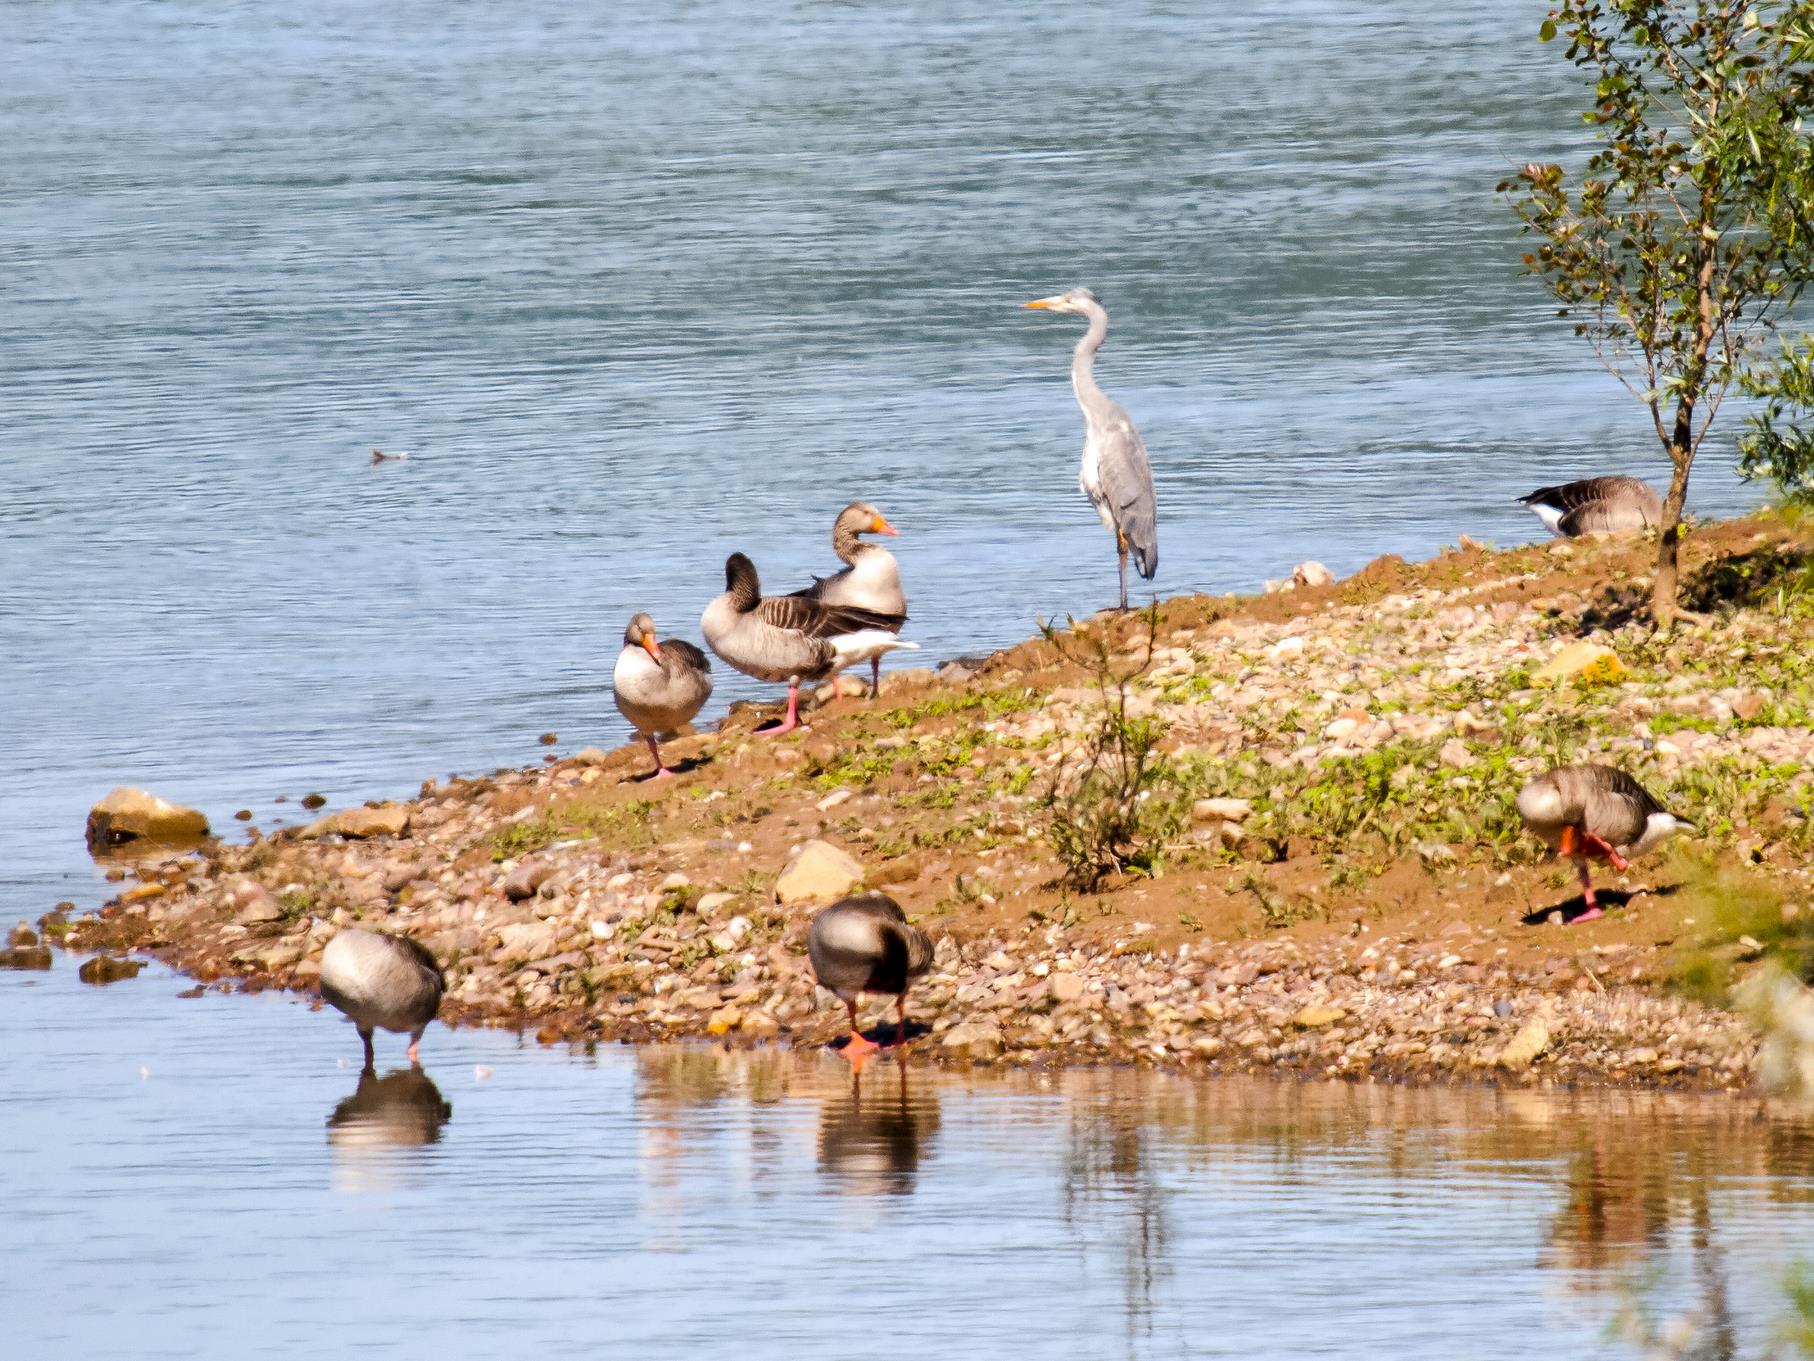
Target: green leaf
[1546,30]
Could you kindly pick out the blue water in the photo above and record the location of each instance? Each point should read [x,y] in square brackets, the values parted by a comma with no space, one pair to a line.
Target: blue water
[186,1180]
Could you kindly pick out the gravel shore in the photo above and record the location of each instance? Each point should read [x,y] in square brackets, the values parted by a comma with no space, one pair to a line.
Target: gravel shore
[1346,891]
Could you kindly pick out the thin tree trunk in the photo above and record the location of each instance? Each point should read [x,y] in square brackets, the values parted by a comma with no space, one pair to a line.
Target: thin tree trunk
[1663,591]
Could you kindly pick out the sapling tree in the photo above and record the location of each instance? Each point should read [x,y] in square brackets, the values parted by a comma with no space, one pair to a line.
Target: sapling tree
[1686,235]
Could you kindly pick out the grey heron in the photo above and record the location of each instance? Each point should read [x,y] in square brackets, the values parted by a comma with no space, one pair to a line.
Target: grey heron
[1596,505]
[1115,474]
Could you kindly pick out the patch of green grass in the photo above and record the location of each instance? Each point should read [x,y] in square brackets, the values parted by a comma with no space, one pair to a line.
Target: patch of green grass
[1729,907]
[982,705]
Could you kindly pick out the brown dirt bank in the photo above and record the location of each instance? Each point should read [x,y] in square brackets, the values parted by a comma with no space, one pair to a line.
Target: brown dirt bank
[1359,909]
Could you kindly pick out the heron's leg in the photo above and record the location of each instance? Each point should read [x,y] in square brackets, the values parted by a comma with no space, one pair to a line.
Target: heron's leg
[661,771]
[1121,551]
[875,677]
[365,1034]
[1587,894]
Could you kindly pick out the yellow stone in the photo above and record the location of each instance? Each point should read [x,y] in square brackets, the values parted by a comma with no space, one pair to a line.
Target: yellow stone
[143,893]
[723,1021]
[1522,1049]
[1583,663]
[1315,1018]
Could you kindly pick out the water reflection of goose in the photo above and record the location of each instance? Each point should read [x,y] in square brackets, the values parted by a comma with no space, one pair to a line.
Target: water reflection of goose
[872,1143]
[401,1110]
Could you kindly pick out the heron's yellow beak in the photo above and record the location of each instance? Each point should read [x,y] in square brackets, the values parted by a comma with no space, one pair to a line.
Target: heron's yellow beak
[650,646]
[1038,303]
[881,526]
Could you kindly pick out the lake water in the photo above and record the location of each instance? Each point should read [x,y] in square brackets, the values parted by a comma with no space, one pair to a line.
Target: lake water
[640,286]
[198,1178]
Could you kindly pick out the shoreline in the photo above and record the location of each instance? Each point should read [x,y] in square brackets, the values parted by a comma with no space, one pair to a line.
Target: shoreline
[1345,898]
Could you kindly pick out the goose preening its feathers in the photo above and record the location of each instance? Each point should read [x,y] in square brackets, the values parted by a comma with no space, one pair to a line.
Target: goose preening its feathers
[865,944]
[789,637]
[1596,812]
[382,981]
[659,686]
[1115,474]
[1596,505]
[871,579]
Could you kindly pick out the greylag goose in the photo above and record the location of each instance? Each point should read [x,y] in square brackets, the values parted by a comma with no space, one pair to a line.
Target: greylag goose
[658,686]
[1595,812]
[1596,505]
[871,580]
[1115,474]
[382,981]
[788,637]
[864,944]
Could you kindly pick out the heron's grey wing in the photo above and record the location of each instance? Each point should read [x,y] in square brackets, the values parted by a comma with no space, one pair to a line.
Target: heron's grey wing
[1127,482]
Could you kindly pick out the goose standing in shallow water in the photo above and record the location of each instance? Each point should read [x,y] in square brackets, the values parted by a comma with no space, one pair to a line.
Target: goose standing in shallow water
[382,981]
[1596,505]
[1115,474]
[788,637]
[1595,812]
[659,686]
[870,581]
[865,944]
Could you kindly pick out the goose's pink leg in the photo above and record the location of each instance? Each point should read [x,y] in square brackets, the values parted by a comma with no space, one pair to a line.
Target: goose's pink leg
[792,720]
[1587,895]
[661,770]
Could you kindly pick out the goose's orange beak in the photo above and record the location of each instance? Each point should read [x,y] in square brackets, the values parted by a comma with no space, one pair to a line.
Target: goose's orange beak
[881,526]
[650,646]
[1571,842]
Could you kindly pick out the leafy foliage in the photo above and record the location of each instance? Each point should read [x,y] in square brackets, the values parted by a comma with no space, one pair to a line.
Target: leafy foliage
[1690,230]
[1113,799]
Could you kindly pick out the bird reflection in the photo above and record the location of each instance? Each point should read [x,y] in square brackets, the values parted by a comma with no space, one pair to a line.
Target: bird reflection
[401,1110]
[871,1142]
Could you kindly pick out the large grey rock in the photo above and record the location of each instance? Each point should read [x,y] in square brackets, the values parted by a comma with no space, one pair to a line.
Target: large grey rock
[818,874]
[974,1040]
[128,815]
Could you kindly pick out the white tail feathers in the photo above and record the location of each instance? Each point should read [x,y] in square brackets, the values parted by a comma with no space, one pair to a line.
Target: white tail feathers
[864,644]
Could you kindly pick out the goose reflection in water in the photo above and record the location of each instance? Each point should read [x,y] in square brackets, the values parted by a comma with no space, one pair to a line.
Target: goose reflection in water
[371,1130]
[871,1142]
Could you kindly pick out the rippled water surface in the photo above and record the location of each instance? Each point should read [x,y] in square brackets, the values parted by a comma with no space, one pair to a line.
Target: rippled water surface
[640,285]
[210,1177]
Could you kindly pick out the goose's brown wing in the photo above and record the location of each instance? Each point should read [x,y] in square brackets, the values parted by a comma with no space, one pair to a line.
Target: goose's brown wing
[814,618]
[689,657]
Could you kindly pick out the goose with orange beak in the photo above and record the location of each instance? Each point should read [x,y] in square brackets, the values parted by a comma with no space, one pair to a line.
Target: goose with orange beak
[659,686]
[865,944]
[1595,812]
[871,579]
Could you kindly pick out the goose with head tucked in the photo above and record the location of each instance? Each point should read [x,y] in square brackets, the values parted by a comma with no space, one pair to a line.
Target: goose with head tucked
[789,637]
[382,982]
[1596,505]
[1595,812]
[871,579]
[659,686]
[865,944]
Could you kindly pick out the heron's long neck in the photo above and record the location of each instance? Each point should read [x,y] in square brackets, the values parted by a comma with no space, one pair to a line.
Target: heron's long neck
[1083,361]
